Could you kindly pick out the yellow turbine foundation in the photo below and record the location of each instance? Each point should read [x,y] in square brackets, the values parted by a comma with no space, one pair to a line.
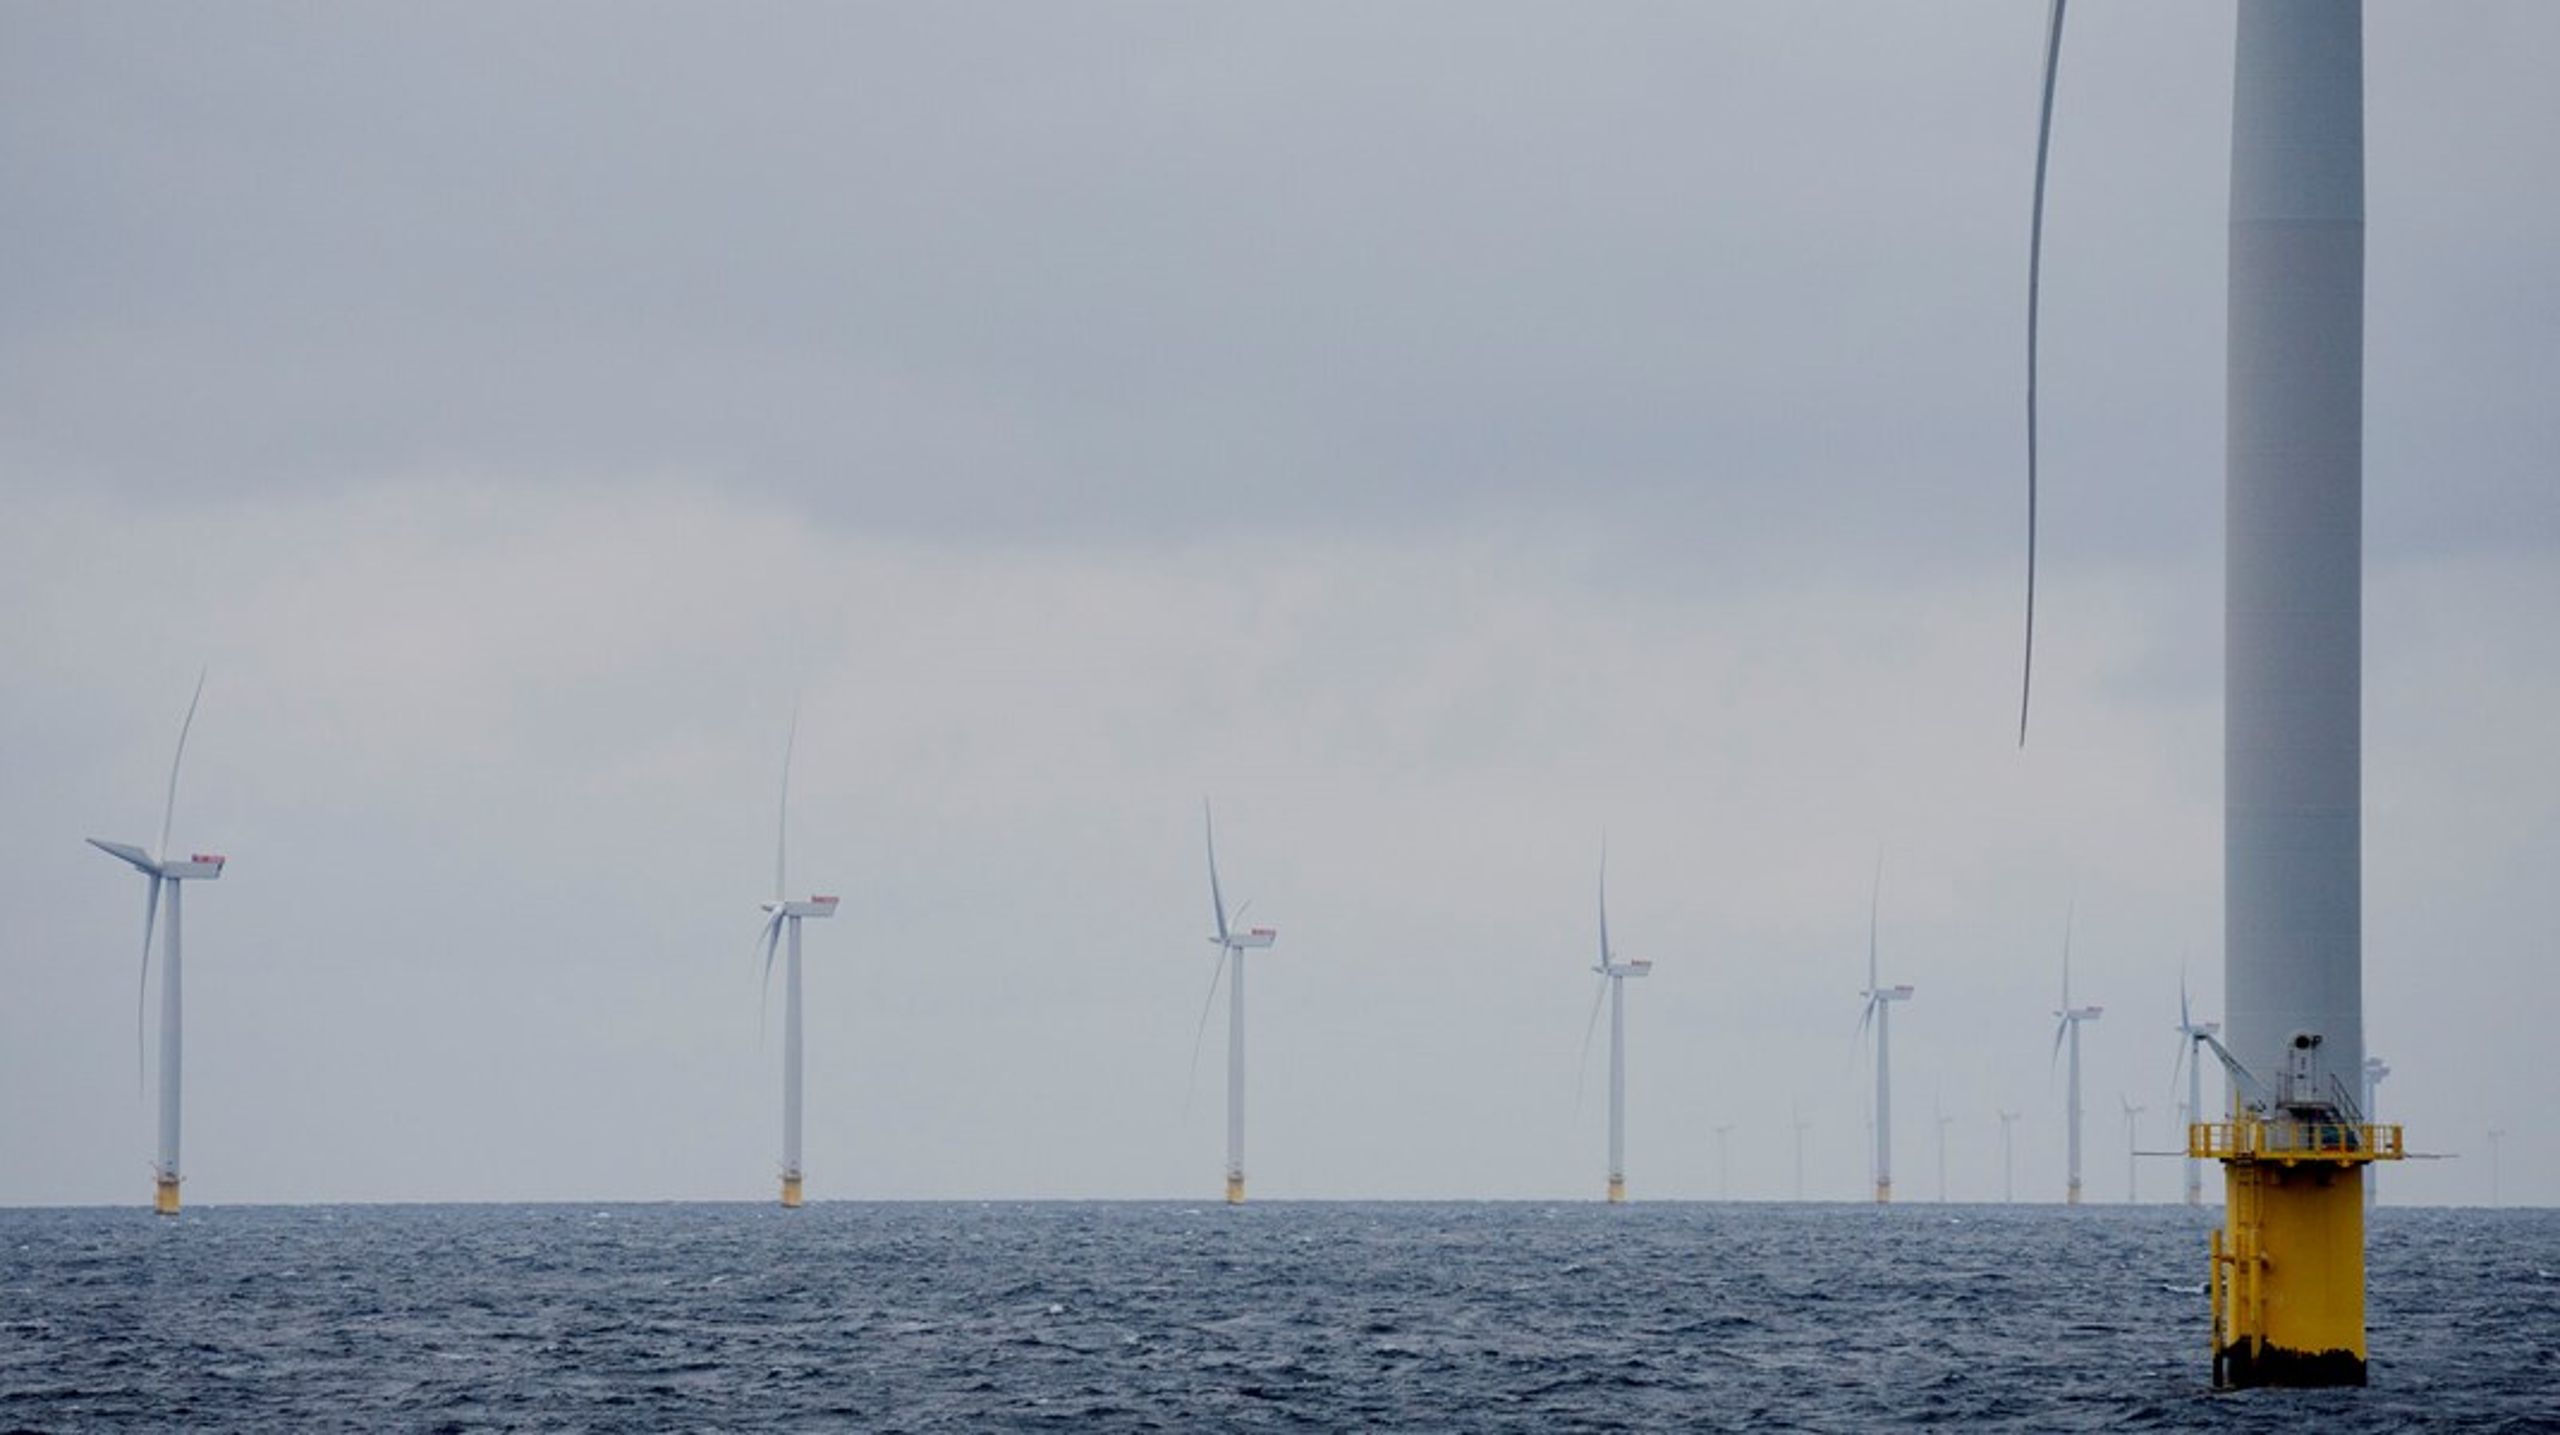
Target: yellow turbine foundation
[1235,1190]
[1617,1190]
[1884,1193]
[791,1192]
[2287,1286]
[164,1195]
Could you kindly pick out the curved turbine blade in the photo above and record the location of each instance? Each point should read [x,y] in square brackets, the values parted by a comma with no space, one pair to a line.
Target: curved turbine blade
[1867,1015]
[2035,276]
[169,809]
[1217,899]
[1582,1064]
[771,937]
[1191,1082]
[142,987]
[782,812]
[2178,1067]
[2060,1029]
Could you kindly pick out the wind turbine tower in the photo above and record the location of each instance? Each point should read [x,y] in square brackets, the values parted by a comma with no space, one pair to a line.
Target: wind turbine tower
[1613,980]
[782,918]
[1879,1012]
[2193,1038]
[2288,1280]
[167,877]
[1232,944]
[1944,1121]
[2132,1132]
[2066,1032]
[2008,1168]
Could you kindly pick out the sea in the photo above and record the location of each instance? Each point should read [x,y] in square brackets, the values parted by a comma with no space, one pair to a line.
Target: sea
[1189,1316]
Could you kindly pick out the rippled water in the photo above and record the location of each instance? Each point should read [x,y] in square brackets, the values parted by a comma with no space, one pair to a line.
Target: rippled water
[1194,1317]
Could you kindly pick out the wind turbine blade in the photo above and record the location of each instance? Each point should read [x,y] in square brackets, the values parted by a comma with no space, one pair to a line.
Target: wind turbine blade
[1604,899]
[2068,912]
[169,809]
[1875,895]
[142,987]
[1208,1004]
[1217,899]
[2060,1029]
[2035,284]
[771,937]
[1582,1064]
[782,809]
[140,860]
[2178,1067]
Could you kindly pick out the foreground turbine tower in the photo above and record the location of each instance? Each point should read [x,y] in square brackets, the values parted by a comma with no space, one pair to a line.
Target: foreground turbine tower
[2287,1288]
[1232,945]
[170,877]
[2066,1031]
[783,916]
[1879,1010]
[1613,979]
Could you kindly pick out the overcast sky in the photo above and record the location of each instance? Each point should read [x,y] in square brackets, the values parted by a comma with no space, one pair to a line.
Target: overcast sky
[1441,433]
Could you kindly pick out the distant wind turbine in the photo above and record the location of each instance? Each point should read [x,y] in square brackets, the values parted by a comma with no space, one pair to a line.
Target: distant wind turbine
[1944,1121]
[2375,1068]
[783,915]
[171,875]
[2008,1183]
[1232,945]
[2067,1030]
[2132,1129]
[1879,1013]
[1613,975]
[2192,1035]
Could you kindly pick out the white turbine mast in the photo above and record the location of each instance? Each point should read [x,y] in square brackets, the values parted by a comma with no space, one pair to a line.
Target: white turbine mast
[1613,974]
[1232,943]
[2066,1031]
[2132,1132]
[783,916]
[1878,1013]
[167,877]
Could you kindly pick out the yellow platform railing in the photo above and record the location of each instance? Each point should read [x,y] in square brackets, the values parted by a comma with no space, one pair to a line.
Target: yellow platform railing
[2348,1143]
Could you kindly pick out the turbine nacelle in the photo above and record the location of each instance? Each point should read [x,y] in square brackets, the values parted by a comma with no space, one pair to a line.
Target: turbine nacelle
[1615,968]
[1250,938]
[813,907]
[2081,1013]
[1888,994]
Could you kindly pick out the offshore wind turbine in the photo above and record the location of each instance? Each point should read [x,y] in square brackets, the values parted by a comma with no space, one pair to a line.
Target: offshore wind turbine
[1232,945]
[1879,1013]
[2192,1035]
[167,877]
[1944,1121]
[2132,1127]
[2375,1068]
[2008,1168]
[783,916]
[1613,985]
[2288,1291]
[2067,1031]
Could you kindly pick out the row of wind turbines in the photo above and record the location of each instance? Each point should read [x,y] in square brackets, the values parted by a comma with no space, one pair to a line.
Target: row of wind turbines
[780,936]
